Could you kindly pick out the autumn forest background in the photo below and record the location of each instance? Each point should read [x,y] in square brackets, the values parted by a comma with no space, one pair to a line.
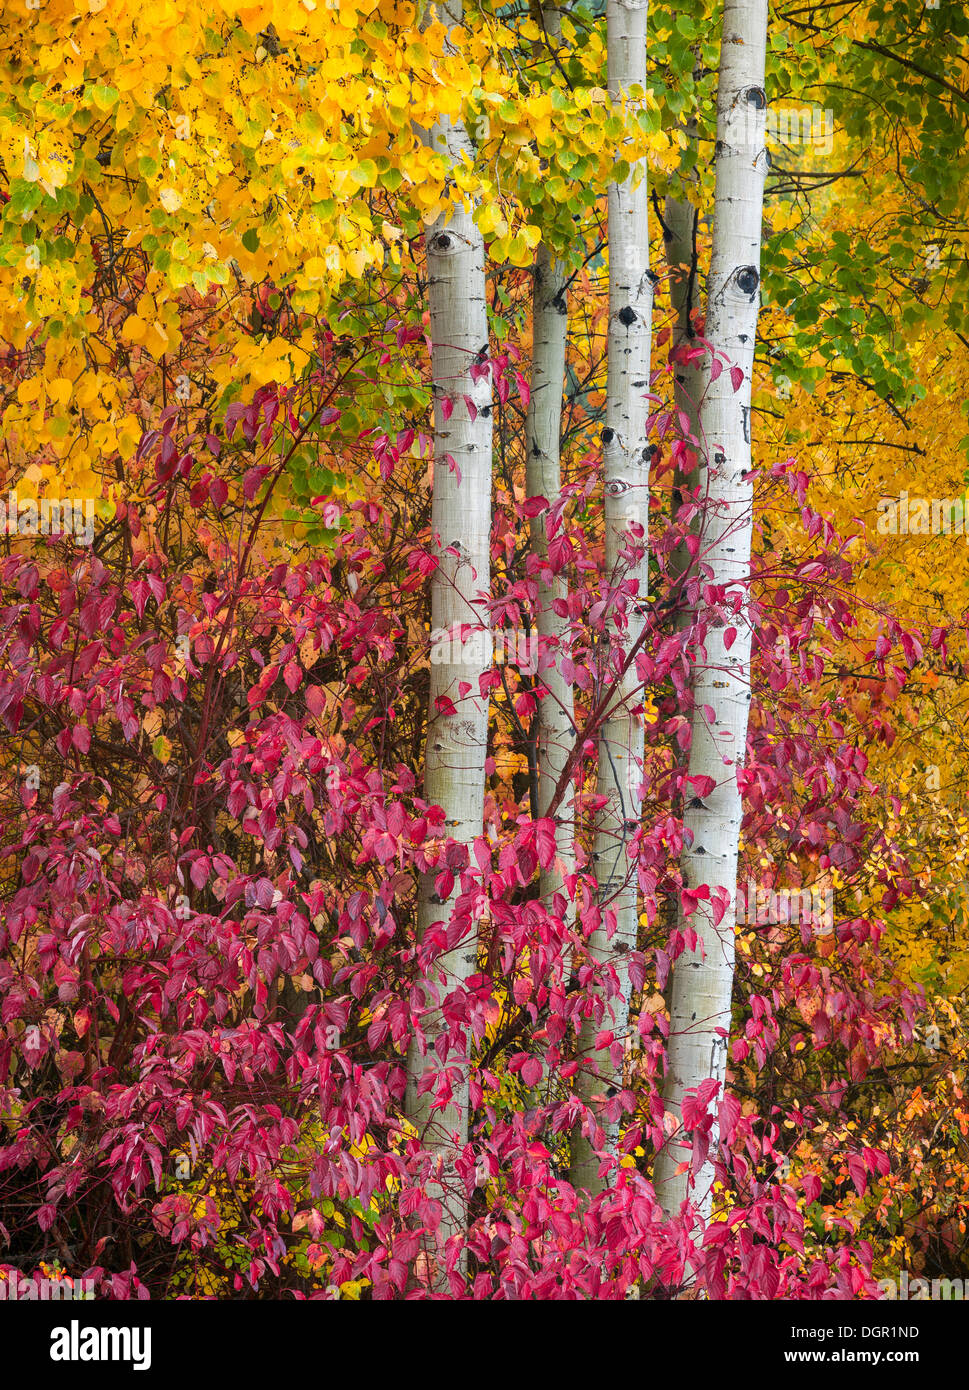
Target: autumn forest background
[312,980]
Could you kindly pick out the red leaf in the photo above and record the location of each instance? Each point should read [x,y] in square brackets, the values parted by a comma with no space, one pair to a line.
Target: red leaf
[729,1114]
[139,594]
[689,897]
[532,1072]
[704,785]
[859,1177]
[662,968]
[545,842]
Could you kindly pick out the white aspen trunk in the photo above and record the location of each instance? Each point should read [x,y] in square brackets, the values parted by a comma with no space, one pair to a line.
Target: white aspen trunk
[461,643]
[680,234]
[702,982]
[626,504]
[543,479]
[680,237]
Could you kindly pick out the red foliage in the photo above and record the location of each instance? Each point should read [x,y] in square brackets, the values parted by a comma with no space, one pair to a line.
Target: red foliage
[207,945]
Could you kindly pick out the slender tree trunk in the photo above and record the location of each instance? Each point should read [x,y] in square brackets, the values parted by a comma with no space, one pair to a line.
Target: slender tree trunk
[626,515]
[680,235]
[680,231]
[680,219]
[454,775]
[680,227]
[702,981]
[543,479]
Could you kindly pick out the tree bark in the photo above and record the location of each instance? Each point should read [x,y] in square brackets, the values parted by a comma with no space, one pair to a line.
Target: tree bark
[681,219]
[543,432]
[626,517]
[702,981]
[456,748]
[543,479]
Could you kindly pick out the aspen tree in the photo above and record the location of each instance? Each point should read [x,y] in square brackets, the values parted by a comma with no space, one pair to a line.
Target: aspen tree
[626,487]
[456,747]
[680,227]
[543,479]
[703,980]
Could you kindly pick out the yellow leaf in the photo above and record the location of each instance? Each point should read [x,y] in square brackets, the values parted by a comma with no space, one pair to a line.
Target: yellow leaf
[134,328]
[490,220]
[152,722]
[356,262]
[162,749]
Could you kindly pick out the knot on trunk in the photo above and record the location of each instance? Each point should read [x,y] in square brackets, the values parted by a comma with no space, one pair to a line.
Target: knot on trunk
[748,278]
